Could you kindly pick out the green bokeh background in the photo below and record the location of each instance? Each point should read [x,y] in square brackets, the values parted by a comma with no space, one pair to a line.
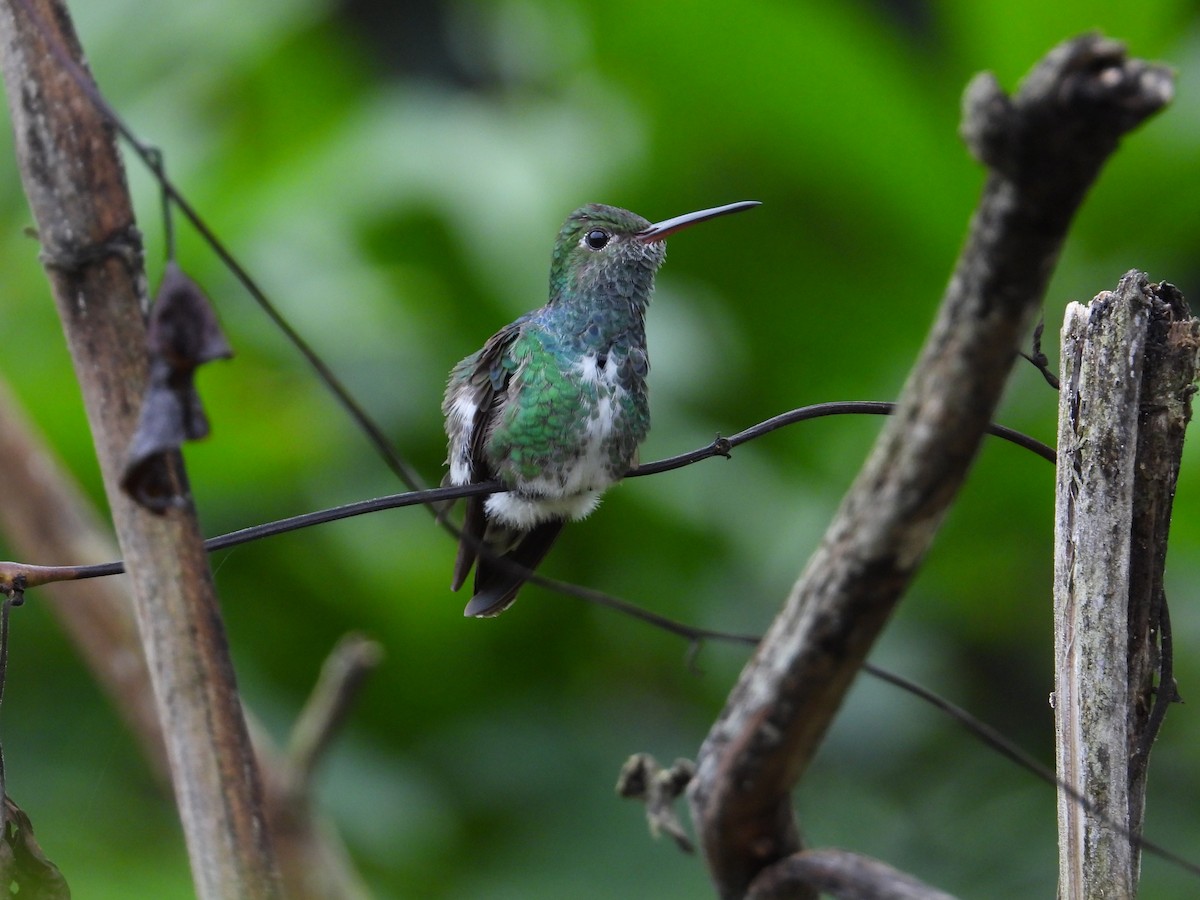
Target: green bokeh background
[394,175]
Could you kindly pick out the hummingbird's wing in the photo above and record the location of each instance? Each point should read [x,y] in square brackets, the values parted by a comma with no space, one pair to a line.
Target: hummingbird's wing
[475,394]
[476,398]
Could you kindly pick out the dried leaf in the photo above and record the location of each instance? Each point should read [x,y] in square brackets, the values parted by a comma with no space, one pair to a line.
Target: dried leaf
[182,334]
[24,869]
[183,327]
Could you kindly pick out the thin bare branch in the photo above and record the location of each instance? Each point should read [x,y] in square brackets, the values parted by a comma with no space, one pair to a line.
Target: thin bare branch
[352,659]
[317,864]
[76,187]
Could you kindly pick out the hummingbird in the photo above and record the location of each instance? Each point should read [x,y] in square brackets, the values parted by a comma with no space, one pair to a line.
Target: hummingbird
[555,404]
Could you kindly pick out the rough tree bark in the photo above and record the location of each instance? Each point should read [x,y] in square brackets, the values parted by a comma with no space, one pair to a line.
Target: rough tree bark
[91,249]
[1043,149]
[1128,366]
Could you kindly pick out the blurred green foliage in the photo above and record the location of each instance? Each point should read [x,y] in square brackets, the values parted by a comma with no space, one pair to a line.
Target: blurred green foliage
[395,175]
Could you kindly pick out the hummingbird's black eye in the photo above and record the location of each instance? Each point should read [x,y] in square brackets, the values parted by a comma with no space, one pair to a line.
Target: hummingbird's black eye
[597,238]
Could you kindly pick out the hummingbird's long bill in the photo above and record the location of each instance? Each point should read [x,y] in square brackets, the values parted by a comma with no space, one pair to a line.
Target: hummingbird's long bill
[660,230]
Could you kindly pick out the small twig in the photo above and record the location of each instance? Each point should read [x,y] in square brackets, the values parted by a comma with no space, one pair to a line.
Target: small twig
[642,778]
[1038,358]
[352,659]
[722,445]
[157,165]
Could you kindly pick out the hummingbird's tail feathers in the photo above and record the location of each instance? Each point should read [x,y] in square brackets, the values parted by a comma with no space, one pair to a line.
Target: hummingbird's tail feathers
[473,527]
[497,580]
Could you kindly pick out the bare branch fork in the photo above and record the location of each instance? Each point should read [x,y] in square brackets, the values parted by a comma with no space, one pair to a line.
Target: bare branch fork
[1043,148]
